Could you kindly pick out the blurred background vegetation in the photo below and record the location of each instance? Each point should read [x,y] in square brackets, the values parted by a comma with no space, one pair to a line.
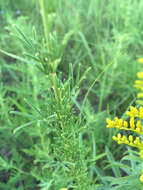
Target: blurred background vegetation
[106,36]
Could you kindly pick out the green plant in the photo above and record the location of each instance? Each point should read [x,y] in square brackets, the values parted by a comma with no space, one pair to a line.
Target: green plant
[103,39]
[49,148]
[133,126]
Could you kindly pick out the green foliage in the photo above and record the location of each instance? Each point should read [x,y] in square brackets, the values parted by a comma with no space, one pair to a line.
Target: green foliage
[64,67]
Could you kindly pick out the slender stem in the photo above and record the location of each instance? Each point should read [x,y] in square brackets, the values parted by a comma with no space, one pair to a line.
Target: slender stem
[56,90]
[53,75]
[45,23]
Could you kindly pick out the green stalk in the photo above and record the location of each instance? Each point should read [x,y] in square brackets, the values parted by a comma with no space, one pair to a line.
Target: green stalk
[57,96]
[53,75]
[56,90]
[45,23]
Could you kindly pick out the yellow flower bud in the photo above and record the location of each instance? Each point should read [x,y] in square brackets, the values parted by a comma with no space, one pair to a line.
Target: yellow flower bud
[141,178]
[110,123]
[120,122]
[140,95]
[125,124]
[116,119]
[108,120]
[134,111]
[138,82]
[138,130]
[114,138]
[140,60]
[119,136]
[138,125]
[131,138]
[137,141]
[128,113]
[141,112]
[132,125]
[140,74]
[124,138]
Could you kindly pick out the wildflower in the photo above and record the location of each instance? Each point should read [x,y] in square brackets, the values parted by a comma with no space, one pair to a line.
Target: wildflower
[133,125]
[141,178]
[139,128]
[130,141]
[138,82]
[110,123]
[63,189]
[140,60]
[141,112]
[125,124]
[140,75]
[133,112]
[140,95]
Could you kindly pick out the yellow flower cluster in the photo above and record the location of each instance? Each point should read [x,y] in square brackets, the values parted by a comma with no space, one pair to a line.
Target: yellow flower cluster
[134,124]
[131,125]
[130,141]
[140,60]
[141,178]
[139,84]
